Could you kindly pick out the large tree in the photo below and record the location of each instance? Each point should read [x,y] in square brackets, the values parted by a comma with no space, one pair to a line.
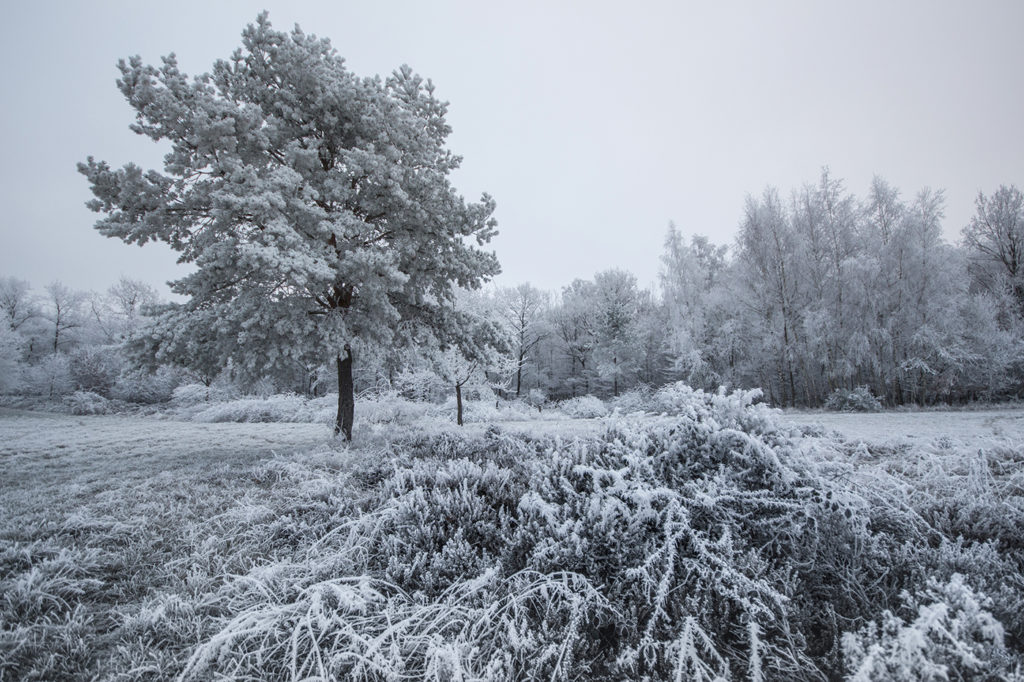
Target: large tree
[617,304]
[65,311]
[995,235]
[523,310]
[315,206]
[17,305]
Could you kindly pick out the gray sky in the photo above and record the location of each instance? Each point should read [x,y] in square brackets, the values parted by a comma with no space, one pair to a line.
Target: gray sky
[591,123]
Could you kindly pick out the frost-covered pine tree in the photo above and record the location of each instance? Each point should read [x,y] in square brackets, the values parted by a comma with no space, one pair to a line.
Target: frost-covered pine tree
[315,206]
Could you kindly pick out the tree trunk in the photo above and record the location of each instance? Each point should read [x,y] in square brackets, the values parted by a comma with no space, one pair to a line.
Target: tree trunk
[346,398]
[458,403]
[519,375]
[615,378]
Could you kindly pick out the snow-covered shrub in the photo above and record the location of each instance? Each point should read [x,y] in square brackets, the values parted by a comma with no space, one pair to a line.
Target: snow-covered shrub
[673,549]
[536,397]
[632,401]
[264,387]
[420,384]
[140,386]
[87,402]
[740,407]
[583,407]
[189,395]
[95,369]
[946,628]
[285,407]
[858,399]
[390,408]
[490,411]
[50,377]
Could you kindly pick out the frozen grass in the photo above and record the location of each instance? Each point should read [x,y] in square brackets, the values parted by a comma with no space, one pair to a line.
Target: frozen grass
[700,544]
[922,427]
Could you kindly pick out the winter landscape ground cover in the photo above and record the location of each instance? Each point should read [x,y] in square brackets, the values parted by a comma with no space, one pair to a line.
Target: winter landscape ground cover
[705,537]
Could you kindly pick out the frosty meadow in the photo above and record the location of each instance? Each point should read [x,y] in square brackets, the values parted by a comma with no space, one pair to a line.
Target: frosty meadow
[596,483]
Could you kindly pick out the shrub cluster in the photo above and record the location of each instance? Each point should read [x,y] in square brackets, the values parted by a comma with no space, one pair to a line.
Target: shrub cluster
[583,407]
[697,547]
[857,399]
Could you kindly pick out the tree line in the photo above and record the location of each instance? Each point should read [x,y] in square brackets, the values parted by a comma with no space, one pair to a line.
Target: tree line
[822,291]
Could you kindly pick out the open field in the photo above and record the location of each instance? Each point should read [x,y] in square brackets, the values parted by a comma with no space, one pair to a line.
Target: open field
[145,548]
[924,426]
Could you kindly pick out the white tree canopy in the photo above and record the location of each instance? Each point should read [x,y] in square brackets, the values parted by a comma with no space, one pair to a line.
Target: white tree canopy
[315,205]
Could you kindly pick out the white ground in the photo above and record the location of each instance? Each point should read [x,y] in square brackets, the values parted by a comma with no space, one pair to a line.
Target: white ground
[55,452]
[923,426]
[47,451]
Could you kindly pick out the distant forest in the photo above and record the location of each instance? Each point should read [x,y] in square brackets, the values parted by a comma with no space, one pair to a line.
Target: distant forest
[822,292]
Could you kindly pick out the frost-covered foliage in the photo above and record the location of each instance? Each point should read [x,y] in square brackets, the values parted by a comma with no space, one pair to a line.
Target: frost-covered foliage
[313,190]
[583,407]
[10,360]
[95,369]
[949,629]
[140,386]
[50,377]
[87,402]
[704,544]
[393,408]
[858,399]
[420,383]
[630,402]
[695,547]
[274,408]
[190,395]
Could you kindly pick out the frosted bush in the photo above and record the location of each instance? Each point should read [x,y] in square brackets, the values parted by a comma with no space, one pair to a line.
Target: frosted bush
[858,399]
[87,402]
[658,551]
[188,395]
[947,630]
[739,410]
[276,408]
[140,386]
[583,407]
[264,387]
[536,397]
[95,369]
[391,408]
[50,377]
[633,401]
[421,385]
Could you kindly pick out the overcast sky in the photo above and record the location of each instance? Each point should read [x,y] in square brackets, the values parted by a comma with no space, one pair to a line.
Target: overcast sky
[591,123]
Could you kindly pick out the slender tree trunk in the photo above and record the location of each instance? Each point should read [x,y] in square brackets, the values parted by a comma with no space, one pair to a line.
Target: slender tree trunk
[615,380]
[458,403]
[519,374]
[572,374]
[346,398]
